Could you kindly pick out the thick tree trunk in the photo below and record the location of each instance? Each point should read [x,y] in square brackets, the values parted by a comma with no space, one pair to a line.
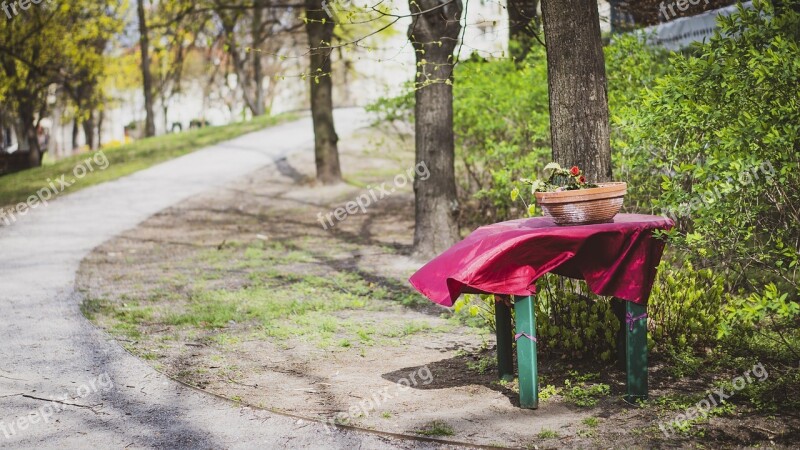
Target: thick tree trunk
[434,36]
[523,24]
[258,72]
[577,78]
[319,28]
[147,76]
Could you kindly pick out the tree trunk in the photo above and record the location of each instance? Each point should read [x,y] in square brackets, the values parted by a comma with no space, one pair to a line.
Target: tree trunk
[523,24]
[434,36]
[28,134]
[88,131]
[75,132]
[577,81]
[319,28]
[258,72]
[147,76]
[101,116]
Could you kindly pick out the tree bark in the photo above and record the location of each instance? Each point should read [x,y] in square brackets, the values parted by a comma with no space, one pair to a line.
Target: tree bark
[258,72]
[523,24]
[75,133]
[577,82]
[147,76]
[319,28]
[88,131]
[28,133]
[101,116]
[434,36]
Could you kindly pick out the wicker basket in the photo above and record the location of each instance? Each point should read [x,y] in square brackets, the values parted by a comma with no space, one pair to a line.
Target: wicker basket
[583,206]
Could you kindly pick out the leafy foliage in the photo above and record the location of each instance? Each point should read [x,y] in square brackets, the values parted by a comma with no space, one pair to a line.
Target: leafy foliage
[684,307]
[722,133]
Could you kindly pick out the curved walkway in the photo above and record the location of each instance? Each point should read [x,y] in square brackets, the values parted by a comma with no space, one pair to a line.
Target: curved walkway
[49,350]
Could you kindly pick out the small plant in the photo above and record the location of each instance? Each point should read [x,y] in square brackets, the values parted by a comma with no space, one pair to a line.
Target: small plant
[436,428]
[386,415]
[585,395]
[548,391]
[559,179]
[482,365]
[591,422]
[547,434]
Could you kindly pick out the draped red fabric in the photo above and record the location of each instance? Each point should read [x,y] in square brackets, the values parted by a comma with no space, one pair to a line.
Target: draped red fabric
[616,259]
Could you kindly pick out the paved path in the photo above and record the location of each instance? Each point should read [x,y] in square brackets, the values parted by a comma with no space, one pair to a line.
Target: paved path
[48,350]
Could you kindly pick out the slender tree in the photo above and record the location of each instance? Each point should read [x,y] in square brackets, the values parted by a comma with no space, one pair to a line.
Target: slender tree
[147,76]
[434,32]
[258,40]
[319,28]
[577,82]
[523,24]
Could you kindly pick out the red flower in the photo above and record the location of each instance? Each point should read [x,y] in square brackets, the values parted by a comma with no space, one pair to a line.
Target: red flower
[574,171]
[582,180]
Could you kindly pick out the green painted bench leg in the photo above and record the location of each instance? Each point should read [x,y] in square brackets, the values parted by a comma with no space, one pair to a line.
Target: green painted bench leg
[526,352]
[635,327]
[505,348]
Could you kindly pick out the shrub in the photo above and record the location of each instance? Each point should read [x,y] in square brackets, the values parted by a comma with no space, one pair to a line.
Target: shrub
[570,320]
[720,133]
[685,306]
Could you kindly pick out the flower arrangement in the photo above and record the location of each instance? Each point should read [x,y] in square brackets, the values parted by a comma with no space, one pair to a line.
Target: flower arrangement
[559,179]
[567,197]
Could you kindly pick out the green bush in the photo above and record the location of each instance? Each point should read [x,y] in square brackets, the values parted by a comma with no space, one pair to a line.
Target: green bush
[632,67]
[570,320]
[502,129]
[685,306]
[720,134]
[573,321]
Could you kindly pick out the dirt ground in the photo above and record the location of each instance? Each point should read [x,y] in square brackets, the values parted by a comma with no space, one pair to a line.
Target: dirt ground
[243,293]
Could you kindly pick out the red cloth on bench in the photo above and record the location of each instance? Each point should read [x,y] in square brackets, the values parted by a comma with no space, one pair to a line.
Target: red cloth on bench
[617,259]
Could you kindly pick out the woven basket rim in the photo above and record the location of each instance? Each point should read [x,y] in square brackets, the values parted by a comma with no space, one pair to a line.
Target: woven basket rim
[612,189]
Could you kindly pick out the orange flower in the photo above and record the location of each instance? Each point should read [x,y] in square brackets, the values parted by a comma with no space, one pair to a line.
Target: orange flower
[574,171]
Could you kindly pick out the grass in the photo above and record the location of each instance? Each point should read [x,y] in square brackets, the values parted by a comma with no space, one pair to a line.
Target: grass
[274,302]
[547,434]
[583,394]
[591,422]
[436,428]
[125,159]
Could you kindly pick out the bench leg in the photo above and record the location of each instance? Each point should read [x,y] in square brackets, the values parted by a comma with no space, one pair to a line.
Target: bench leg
[636,351]
[526,352]
[505,349]
[618,308]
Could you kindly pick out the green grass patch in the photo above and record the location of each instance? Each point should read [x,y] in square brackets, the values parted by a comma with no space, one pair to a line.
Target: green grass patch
[583,394]
[547,434]
[126,159]
[436,428]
